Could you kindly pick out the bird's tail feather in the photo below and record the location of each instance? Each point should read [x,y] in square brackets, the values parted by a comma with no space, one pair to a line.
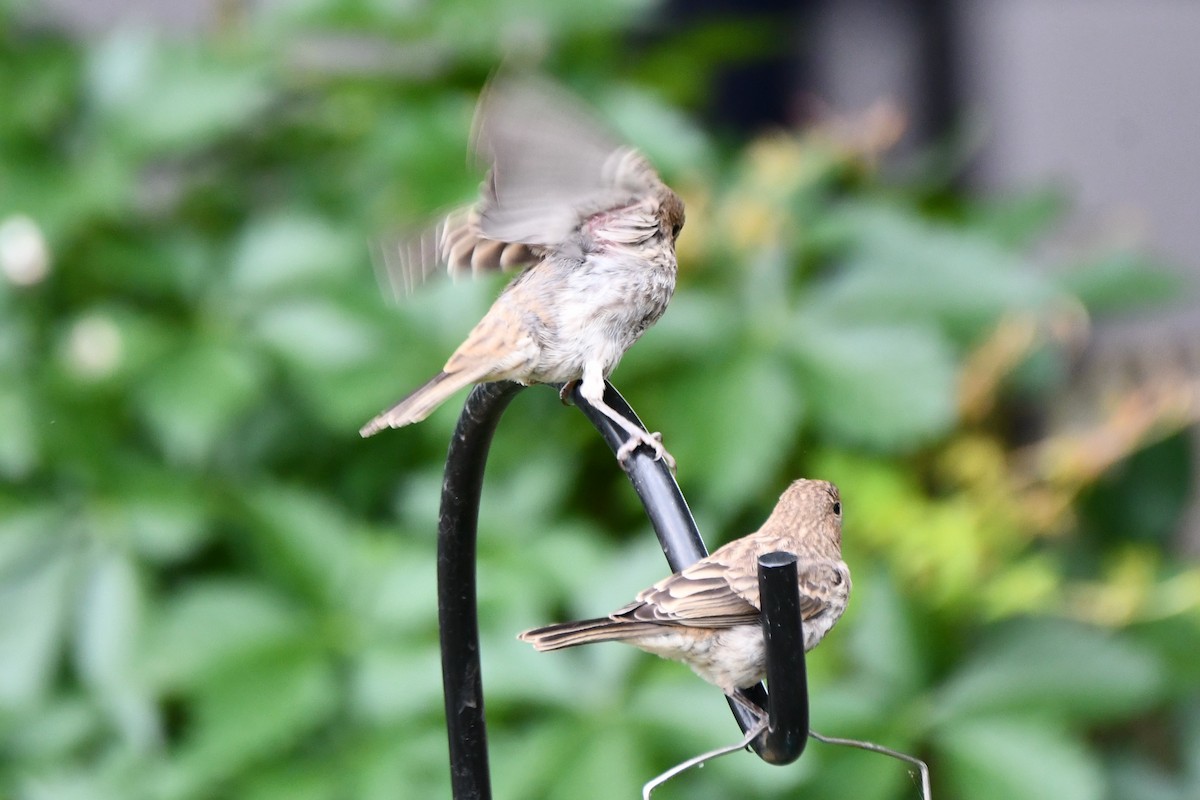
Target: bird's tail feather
[420,403]
[571,634]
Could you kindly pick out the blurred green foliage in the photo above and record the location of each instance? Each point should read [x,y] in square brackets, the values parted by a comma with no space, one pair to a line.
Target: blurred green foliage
[210,587]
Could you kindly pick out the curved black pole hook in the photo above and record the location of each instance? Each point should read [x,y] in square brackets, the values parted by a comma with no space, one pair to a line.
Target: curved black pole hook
[458,619]
[462,685]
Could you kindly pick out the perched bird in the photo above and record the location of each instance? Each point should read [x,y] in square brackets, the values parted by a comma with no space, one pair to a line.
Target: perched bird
[707,615]
[595,226]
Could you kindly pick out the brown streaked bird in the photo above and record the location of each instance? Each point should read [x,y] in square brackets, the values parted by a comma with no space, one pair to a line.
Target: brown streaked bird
[595,226]
[707,615]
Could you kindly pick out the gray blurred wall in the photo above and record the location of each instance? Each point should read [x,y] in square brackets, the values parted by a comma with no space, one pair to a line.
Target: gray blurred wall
[1099,97]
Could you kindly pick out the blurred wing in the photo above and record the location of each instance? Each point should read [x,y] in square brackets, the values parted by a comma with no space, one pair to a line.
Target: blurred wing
[454,247]
[465,250]
[552,170]
[552,166]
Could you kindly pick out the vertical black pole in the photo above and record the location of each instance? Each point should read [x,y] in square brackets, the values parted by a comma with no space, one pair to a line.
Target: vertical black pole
[779,597]
[458,620]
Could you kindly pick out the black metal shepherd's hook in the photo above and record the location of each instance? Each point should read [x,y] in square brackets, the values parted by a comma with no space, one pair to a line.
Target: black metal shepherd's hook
[462,684]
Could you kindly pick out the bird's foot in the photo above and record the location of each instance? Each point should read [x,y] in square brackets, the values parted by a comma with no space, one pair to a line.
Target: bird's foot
[564,394]
[651,440]
[756,711]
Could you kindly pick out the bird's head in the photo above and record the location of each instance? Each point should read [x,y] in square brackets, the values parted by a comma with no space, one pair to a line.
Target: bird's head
[812,511]
[670,214]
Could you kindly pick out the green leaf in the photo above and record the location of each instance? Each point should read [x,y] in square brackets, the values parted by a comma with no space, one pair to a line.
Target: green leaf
[162,97]
[901,268]
[108,632]
[401,760]
[1019,220]
[882,639]
[248,712]
[849,772]
[1123,282]
[108,622]
[1175,639]
[396,682]
[19,448]
[166,520]
[291,251]
[1143,497]
[207,625]
[308,539]
[36,570]
[696,327]
[402,585]
[1053,667]
[193,399]
[1190,745]
[307,779]
[49,731]
[521,504]
[733,426]
[1137,780]
[316,334]
[1003,758]
[881,386]
[62,782]
[586,767]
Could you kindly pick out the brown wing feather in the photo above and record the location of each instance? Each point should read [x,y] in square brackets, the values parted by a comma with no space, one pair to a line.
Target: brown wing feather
[586,631]
[722,589]
[496,346]
[466,251]
[700,596]
[454,247]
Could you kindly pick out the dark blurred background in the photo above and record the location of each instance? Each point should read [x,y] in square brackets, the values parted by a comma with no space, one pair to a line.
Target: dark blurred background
[940,253]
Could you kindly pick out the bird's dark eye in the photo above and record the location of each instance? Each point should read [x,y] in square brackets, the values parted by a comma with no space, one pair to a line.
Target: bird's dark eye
[837,509]
[675,229]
